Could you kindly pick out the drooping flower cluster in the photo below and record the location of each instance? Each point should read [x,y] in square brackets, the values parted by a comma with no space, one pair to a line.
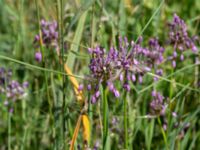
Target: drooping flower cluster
[127,64]
[49,37]
[10,90]
[179,39]
[157,104]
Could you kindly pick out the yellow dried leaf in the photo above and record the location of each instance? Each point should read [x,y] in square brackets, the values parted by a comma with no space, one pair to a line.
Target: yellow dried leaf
[75,133]
[86,128]
[79,94]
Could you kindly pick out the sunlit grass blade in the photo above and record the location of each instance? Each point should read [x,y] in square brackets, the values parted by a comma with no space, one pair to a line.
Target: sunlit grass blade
[86,129]
[75,134]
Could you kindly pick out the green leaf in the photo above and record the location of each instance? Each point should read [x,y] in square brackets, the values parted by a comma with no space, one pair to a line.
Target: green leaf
[77,39]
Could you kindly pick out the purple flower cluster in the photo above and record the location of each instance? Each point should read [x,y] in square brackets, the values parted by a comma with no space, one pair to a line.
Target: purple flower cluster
[49,37]
[127,64]
[155,52]
[49,34]
[157,105]
[10,90]
[179,39]
[155,56]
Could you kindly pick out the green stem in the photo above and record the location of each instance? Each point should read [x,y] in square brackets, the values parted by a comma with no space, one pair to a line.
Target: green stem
[9,130]
[61,40]
[24,139]
[44,65]
[125,124]
[163,133]
[105,119]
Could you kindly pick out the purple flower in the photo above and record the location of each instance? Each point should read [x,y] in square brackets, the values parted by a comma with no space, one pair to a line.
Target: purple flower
[174,63]
[140,79]
[11,110]
[133,77]
[116,93]
[179,39]
[128,62]
[80,88]
[25,84]
[157,104]
[182,57]
[89,87]
[165,126]
[158,72]
[174,114]
[126,86]
[12,90]
[154,52]
[125,63]
[49,35]
[93,99]
[96,146]
[38,56]
[6,103]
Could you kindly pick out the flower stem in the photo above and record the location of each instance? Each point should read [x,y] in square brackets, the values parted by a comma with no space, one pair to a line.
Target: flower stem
[125,124]
[105,118]
[163,133]
[9,130]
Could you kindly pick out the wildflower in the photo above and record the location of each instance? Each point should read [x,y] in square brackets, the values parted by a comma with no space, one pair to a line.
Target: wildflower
[89,87]
[80,88]
[179,39]
[157,105]
[165,126]
[10,89]
[49,34]
[174,114]
[107,68]
[154,53]
[96,146]
[38,56]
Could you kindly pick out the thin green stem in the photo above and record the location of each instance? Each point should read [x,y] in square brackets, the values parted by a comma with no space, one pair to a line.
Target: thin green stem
[149,21]
[44,65]
[62,57]
[105,119]
[168,76]
[168,80]
[163,133]
[24,139]
[30,66]
[100,118]
[9,130]
[125,124]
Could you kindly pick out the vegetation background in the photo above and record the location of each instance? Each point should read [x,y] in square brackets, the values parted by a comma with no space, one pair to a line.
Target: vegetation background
[47,116]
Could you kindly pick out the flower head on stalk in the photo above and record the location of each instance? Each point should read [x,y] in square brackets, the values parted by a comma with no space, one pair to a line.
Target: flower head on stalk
[124,64]
[179,39]
[48,37]
[157,105]
[49,34]
[11,90]
[155,56]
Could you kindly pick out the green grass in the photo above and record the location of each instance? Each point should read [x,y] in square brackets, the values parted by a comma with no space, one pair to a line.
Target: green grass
[47,116]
